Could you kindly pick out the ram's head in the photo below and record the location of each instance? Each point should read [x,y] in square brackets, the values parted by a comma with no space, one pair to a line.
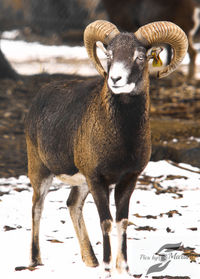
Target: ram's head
[128,53]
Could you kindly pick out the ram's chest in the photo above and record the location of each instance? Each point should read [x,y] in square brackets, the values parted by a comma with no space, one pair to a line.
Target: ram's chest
[111,146]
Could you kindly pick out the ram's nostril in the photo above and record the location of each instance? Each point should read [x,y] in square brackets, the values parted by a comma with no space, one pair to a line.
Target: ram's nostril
[115,79]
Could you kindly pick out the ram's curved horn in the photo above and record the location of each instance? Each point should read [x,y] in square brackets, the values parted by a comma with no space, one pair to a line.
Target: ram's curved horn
[99,30]
[165,32]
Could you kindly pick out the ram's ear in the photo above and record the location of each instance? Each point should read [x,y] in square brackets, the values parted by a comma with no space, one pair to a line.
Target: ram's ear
[154,52]
[156,64]
[102,47]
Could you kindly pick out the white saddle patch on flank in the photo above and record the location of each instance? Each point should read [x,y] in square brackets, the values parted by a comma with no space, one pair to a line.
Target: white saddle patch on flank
[77,179]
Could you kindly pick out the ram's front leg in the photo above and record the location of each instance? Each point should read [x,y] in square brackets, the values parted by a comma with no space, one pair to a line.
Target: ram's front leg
[100,193]
[121,261]
[123,193]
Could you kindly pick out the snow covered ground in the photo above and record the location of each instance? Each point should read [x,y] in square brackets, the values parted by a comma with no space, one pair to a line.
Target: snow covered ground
[158,219]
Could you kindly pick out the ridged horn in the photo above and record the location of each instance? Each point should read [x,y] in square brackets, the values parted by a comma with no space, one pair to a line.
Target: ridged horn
[165,32]
[99,30]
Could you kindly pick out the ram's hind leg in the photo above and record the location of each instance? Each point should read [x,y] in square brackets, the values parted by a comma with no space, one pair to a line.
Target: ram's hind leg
[75,203]
[123,193]
[40,192]
[40,178]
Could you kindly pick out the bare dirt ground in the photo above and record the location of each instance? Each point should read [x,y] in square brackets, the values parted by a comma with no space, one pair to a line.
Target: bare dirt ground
[175,119]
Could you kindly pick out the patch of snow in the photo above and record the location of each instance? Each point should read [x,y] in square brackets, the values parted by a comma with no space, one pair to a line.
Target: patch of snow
[10,35]
[63,259]
[53,59]
[195,139]
[33,58]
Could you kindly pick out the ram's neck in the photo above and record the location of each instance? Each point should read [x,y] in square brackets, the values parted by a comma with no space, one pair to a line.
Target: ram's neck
[127,105]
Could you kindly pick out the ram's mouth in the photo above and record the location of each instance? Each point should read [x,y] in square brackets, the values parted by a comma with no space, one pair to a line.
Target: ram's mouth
[127,88]
[115,86]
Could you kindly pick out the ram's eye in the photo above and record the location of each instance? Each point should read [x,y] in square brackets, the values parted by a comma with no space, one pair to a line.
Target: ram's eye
[141,57]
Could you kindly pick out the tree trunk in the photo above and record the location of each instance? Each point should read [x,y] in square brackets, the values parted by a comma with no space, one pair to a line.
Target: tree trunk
[6,70]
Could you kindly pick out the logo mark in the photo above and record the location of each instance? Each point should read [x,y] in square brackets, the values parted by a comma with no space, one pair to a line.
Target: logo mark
[163,257]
